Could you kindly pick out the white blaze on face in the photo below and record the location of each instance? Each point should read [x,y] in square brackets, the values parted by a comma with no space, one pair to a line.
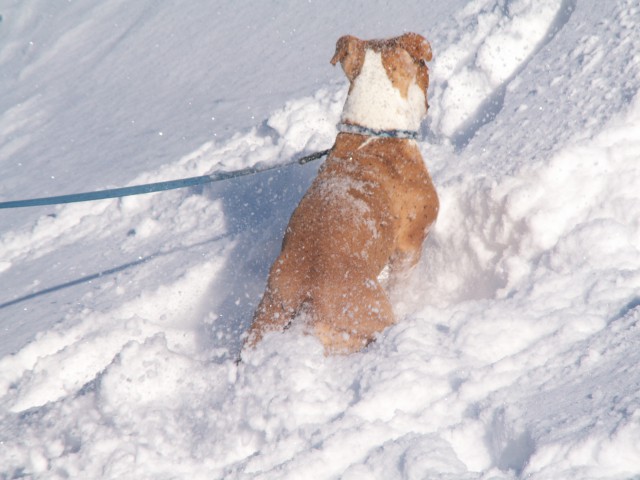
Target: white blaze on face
[374,102]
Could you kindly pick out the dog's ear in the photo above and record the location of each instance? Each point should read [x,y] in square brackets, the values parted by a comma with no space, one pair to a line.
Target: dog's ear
[350,54]
[416,46]
[420,50]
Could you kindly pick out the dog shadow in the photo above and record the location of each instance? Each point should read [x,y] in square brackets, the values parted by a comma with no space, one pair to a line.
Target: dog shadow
[257,210]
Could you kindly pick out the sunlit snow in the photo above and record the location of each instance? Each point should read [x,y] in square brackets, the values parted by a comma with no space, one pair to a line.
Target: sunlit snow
[516,353]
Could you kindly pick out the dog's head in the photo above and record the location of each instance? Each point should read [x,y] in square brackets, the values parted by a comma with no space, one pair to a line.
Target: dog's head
[388,80]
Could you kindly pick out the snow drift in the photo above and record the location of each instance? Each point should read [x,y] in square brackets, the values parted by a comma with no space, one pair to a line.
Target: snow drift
[516,351]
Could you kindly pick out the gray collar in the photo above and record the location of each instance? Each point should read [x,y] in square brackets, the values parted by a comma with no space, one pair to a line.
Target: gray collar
[371,132]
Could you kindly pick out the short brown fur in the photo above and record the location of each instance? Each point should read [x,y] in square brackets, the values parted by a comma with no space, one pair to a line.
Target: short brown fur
[371,205]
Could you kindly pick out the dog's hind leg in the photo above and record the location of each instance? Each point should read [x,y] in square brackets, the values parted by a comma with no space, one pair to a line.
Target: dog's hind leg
[347,318]
[282,300]
[272,314]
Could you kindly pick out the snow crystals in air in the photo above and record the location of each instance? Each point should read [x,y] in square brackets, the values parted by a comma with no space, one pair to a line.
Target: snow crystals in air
[516,350]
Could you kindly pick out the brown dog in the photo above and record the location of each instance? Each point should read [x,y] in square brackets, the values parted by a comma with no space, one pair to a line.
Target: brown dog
[370,206]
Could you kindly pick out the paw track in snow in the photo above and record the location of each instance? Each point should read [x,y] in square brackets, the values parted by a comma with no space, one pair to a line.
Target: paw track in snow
[504,38]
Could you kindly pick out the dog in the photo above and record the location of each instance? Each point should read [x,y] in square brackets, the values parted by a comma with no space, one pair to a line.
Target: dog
[369,208]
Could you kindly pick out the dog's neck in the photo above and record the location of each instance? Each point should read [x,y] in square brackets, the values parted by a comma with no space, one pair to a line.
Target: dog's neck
[374,102]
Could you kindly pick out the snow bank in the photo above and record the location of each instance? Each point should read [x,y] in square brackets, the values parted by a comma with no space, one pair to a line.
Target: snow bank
[516,351]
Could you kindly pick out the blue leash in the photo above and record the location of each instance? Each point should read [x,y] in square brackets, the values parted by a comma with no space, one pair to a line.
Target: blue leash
[153,187]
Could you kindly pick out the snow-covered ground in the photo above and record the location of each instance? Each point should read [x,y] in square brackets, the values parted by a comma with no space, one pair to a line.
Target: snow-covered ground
[516,354]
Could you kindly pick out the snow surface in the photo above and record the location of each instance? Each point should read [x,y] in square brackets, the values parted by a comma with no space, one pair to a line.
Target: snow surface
[516,354]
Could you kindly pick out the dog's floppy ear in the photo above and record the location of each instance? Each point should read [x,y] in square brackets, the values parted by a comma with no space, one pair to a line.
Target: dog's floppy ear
[350,54]
[416,46]
[420,50]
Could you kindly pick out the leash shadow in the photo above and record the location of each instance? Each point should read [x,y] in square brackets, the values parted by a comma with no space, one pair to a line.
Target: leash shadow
[104,273]
[75,282]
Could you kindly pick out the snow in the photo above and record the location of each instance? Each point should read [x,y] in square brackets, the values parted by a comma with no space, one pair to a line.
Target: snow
[515,354]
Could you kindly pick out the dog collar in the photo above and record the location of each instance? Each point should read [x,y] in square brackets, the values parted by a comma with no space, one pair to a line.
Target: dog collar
[371,132]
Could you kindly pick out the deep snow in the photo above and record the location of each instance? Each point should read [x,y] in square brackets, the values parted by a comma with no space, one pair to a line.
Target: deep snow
[516,354]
